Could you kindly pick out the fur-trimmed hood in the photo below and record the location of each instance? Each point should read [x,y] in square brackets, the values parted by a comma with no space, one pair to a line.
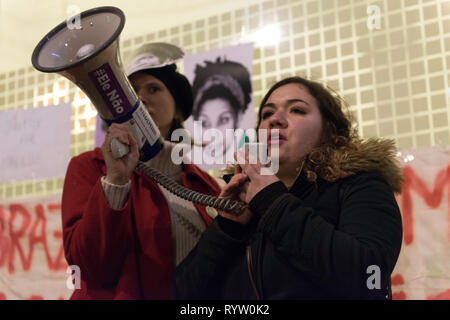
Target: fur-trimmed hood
[372,155]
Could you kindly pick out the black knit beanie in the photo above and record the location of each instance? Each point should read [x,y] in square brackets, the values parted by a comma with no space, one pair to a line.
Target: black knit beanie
[178,86]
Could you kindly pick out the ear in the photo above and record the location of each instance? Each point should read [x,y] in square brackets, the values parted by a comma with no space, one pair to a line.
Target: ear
[179,116]
[177,122]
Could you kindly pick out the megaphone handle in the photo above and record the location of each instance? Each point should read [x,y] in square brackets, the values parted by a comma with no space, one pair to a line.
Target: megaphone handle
[118,149]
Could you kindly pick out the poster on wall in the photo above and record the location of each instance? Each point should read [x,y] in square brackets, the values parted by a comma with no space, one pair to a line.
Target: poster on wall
[422,269]
[35,143]
[32,262]
[223,103]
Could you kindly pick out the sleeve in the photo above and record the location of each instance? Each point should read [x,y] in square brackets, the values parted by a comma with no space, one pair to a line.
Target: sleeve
[368,235]
[95,236]
[115,195]
[200,274]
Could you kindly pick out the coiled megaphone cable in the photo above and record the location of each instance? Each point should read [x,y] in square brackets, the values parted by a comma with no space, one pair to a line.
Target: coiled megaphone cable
[177,189]
[119,150]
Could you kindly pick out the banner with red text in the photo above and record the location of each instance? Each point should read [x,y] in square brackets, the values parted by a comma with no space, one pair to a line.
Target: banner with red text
[32,263]
[423,268]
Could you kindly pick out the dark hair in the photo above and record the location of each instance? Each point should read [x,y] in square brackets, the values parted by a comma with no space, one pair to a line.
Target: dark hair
[222,79]
[337,133]
[180,89]
[178,86]
[219,92]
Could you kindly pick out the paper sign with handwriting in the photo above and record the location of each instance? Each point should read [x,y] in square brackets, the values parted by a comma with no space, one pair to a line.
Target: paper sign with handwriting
[35,143]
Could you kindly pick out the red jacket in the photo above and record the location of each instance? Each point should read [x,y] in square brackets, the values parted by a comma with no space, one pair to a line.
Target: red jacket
[122,254]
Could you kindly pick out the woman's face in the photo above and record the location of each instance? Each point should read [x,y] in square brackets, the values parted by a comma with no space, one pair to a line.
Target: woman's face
[217,113]
[294,111]
[157,99]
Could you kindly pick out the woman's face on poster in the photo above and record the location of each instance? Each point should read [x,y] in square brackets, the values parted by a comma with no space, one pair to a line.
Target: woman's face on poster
[217,114]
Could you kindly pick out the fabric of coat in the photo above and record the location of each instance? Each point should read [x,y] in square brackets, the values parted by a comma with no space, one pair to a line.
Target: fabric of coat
[323,240]
[127,253]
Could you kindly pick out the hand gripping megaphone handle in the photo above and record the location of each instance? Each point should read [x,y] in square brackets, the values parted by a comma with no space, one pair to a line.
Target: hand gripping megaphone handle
[145,132]
[118,149]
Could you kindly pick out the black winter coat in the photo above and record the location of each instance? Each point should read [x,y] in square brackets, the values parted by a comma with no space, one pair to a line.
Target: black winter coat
[323,240]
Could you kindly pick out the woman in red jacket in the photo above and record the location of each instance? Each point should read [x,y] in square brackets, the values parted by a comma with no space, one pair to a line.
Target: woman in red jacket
[124,232]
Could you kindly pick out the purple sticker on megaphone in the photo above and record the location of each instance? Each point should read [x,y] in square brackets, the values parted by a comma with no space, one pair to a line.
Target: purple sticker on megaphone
[110,90]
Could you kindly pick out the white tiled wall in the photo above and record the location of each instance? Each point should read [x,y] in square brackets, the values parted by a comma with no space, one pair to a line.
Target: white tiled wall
[395,78]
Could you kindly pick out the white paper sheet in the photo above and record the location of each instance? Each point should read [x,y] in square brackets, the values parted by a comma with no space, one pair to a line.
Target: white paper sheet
[35,143]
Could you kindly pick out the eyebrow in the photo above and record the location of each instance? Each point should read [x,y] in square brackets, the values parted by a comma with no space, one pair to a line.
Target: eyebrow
[145,84]
[290,101]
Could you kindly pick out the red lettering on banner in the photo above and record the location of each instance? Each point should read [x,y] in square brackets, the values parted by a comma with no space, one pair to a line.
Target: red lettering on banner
[15,235]
[60,263]
[36,236]
[32,297]
[397,280]
[445,295]
[10,243]
[5,242]
[433,199]
[401,295]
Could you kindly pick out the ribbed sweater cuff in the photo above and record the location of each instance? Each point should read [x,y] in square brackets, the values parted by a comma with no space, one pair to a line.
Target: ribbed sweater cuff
[266,197]
[115,195]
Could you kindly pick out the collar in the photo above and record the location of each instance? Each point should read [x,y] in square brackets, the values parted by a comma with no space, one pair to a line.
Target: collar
[303,186]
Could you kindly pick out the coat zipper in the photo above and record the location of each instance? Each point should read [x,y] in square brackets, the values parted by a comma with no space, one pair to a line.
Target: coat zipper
[248,251]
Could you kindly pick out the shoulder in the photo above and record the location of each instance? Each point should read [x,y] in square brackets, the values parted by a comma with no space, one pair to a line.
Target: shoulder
[83,172]
[369,177]
[87,162]
[368,183]
[95,154]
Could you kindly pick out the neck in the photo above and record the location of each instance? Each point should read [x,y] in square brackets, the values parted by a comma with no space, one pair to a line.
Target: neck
[288,174]
[163,162]
[288,180]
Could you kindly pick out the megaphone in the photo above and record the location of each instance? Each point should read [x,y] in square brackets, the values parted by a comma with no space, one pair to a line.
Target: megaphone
[89,56]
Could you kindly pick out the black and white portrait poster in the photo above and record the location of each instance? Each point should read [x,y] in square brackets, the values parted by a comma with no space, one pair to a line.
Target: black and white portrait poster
[223,104]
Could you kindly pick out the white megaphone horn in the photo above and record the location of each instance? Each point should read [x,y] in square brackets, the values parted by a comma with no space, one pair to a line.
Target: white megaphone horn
[89,57]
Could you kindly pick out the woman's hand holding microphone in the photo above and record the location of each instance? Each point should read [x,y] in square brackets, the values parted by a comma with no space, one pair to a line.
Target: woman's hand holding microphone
[244,185]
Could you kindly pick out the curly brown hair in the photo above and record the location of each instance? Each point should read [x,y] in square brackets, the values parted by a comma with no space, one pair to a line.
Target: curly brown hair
[338,134]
